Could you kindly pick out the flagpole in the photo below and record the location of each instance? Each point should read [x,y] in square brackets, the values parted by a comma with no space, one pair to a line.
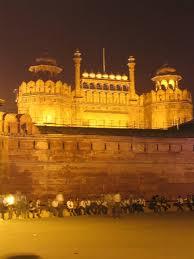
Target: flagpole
[103,60]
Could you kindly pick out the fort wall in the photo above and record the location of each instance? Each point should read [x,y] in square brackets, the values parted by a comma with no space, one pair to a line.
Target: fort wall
[41,165]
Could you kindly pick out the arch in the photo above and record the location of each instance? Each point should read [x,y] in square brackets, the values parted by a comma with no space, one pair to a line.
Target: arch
[96,96]
[58,86]
[105,87]
[39,83]
[122,98]
[92,86]
[10,123]
[118,88]
[85,85]
[160,95]
[171,83]
[125,88]
[112,87]
[164,84]
[102,97]
[25,123]
[2,114]
[98,86]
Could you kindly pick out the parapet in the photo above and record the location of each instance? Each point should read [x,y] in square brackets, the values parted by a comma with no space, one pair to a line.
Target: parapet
[47,87]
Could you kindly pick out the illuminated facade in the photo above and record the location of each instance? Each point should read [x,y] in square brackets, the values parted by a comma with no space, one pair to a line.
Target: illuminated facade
[102,100]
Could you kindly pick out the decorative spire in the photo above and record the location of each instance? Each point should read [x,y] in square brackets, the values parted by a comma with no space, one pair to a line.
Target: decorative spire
[131,66]
[77,61]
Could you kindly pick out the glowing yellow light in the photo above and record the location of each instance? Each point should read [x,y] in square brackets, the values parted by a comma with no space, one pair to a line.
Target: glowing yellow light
[112,76]
[124,77]
[49,118]
[105,76]
[92,75]
[164,83]
[99,75]
[118,77]
[9,199]
[85,74]
[172,83]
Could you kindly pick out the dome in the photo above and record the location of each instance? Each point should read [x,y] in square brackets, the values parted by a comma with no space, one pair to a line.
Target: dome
[166,70]
[45,65]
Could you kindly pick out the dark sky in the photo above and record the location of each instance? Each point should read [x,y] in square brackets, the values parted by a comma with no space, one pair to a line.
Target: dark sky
[155,32]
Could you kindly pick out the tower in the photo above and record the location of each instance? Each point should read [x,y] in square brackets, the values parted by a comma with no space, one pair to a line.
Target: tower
[168,104]
[131,66]
[45,97]
[166,77]
[77,62]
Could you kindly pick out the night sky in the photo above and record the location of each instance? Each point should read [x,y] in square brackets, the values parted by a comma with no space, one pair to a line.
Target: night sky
[155,32]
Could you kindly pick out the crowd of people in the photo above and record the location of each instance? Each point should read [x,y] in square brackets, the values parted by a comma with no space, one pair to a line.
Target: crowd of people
[18,206]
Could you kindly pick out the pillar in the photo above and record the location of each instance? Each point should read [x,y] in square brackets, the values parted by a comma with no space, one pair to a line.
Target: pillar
[77,62]
[131,66]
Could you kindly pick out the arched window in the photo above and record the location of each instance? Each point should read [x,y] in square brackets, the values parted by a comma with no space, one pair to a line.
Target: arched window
[98,86]
[92,86]
[112,87]
[171,83]
[164,84]
[85,85]
[124,88]
[105,87]
[118,88]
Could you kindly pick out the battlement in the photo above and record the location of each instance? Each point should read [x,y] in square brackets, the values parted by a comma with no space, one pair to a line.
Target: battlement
[168,95]
[44,87]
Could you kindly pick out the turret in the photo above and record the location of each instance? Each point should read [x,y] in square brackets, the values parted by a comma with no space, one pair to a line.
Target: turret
[131,66]
[166,77]
[77,62]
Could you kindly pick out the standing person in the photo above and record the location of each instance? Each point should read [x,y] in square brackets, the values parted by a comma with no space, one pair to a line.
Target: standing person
[32,209]
[54,207]
[76,207]
[18,204]
[88,206]
[82,207]
[2,207]
[104,207]
[60,199]
[9,201]
[24,206]
[70,207]
[180,204]
[38,208]
[116,207]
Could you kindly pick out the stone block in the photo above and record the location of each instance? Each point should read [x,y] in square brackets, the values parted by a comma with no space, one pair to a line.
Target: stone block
[163,147]
[71,146]
[138,147]
[124,146]
[175,148]
[98,146]
[13,144]
[25,144]
[112,146]
[56,145]
[85,146]
[42,145]
[152,147]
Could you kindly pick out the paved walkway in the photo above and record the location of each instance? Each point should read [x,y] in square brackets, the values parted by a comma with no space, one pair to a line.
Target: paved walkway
[168,236]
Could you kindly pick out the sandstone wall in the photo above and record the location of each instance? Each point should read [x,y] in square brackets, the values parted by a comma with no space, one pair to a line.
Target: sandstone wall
[41,165]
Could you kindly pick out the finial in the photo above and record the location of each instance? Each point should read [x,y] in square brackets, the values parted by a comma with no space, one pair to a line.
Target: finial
[131,59]
[77,53]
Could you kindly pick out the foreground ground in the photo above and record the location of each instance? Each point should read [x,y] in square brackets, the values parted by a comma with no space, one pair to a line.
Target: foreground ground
[135,236]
